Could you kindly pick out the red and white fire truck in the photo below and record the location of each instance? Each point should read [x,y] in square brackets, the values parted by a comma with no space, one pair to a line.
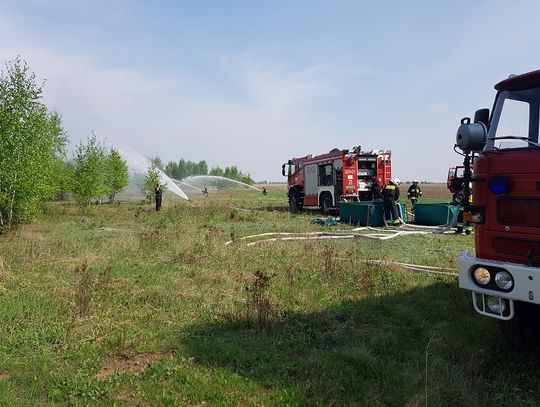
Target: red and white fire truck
[324,180]
[454,181]
[504,273]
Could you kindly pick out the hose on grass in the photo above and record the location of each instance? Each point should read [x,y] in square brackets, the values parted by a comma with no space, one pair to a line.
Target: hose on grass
[337,233]
[291,236]
[416,267]
[346,234]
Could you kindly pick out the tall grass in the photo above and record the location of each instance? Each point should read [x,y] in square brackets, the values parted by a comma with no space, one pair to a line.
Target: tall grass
[284,323]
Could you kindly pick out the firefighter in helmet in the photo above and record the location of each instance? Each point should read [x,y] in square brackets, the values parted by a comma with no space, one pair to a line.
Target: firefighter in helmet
[390,195]
[458,198]
[414,192]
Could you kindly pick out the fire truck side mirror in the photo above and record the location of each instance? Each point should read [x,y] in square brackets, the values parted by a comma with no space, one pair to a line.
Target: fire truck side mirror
[283,169]
[471,136]
[482,116]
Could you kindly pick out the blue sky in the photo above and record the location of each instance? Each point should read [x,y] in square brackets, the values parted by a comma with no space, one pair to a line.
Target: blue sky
[253,84]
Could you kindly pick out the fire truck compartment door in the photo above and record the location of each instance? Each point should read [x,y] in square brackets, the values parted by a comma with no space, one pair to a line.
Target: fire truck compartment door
[310,181]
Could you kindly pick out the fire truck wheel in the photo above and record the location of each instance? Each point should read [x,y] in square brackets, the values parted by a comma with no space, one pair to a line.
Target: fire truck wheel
[326,202]
[523,331]
[294,201]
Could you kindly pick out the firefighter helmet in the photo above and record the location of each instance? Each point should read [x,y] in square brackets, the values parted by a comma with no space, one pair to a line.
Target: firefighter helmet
[415,181]
[396,181]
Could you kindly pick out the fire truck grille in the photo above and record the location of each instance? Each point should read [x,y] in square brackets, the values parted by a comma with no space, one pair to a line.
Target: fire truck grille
[528,249]
[519,212]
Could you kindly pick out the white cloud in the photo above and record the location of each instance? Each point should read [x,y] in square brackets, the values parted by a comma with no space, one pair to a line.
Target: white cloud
[167,116]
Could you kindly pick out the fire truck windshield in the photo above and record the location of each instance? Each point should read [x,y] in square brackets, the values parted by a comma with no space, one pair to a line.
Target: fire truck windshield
[515,120]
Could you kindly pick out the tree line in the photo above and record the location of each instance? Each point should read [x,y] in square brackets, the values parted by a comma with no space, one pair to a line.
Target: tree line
[185,168]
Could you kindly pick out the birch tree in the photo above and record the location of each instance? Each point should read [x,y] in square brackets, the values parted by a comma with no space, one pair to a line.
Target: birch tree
[88,179]
[117,176]
[31,142]
[151,180]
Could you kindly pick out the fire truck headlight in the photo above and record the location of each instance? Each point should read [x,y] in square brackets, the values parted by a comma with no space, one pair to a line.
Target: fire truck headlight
[482,276]
[496,305]
[504,280]
[499,184]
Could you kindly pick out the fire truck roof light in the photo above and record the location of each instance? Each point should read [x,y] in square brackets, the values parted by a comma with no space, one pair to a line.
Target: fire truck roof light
[499,185]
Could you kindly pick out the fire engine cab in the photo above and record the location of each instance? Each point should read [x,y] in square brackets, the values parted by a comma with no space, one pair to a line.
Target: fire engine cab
[326,179]
[454,182]
[503,147]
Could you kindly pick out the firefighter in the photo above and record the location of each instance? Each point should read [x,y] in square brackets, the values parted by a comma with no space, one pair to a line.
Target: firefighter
[390,195]
[159,195]
[376,190]
[414,192]
[205,192]
[461,225]
[264,191]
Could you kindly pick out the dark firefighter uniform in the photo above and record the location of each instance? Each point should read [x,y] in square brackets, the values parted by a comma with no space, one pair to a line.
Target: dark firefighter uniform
[390,195]
[414,193]
[376,190]
[462,225]
[159,197]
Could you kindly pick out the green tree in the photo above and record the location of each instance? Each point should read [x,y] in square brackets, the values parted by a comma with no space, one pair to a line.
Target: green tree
[232,173]
[61,178]
[202,168]
[171,169]
[151,180]
[217,171]
[89,172]
[31,142]
[183,169]
[156,162]
[116,174]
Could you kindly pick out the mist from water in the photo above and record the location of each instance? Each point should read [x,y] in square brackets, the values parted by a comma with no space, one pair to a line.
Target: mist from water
[138,166]
[201,181]
[187,185]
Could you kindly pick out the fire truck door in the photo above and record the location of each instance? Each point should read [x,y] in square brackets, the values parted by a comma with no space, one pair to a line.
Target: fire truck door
[310,185]
[325,174]
[338,180]
[339,183]
[326,180]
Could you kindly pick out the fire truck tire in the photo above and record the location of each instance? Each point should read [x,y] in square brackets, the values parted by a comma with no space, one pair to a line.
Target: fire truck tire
[523,331]
[326,203]
[294,201]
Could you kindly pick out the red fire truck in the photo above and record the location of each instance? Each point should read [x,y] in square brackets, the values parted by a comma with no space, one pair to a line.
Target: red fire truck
[323,180]
[454,181]
[504,273]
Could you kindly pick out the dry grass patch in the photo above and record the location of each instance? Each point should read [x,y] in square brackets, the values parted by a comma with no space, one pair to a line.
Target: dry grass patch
[128,364]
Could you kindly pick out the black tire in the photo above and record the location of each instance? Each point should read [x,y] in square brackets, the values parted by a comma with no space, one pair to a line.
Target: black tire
[523,331]
[326,203]
[294,201]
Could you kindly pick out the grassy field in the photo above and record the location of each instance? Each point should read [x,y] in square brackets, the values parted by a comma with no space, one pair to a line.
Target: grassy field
[126,306]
